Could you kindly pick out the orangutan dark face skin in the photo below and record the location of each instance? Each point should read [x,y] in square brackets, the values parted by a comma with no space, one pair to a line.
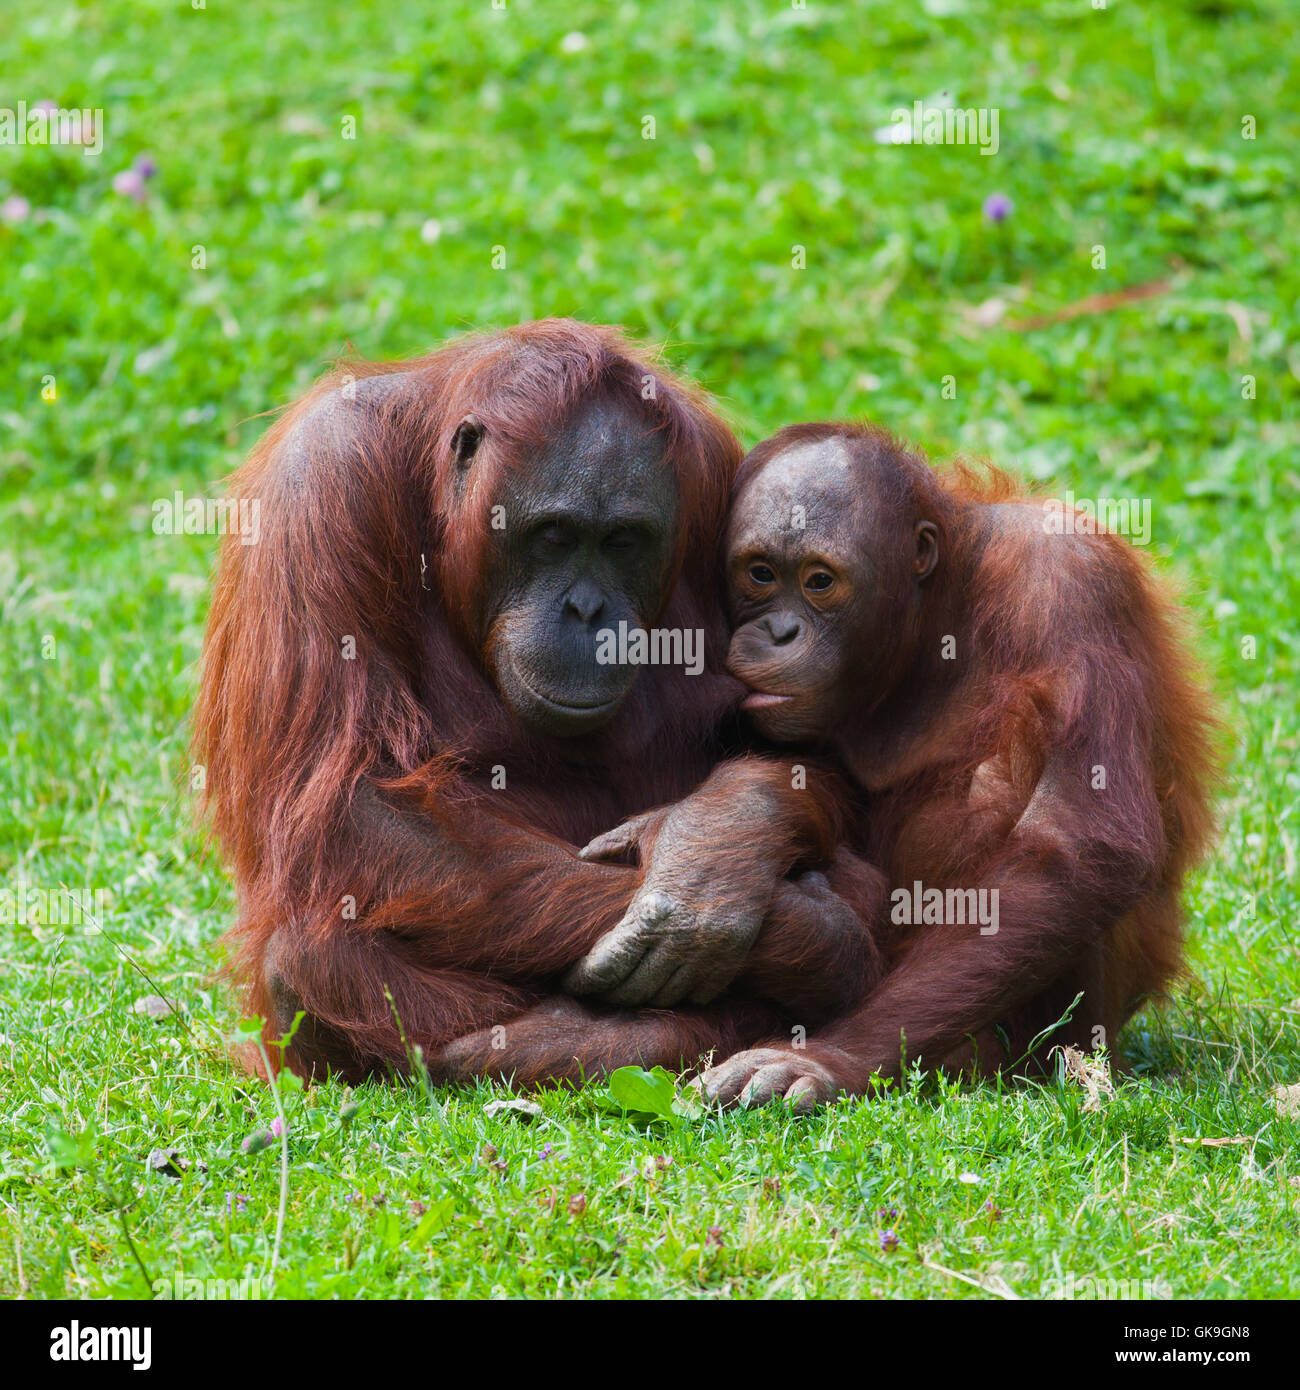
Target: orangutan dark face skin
[587,545]
[821,566]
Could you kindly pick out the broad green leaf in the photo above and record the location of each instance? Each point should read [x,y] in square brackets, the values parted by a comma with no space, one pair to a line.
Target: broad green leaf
[651,1092]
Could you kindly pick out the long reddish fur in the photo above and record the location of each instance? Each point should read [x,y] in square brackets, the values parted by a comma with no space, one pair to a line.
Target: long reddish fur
[1076,653]
[363,536]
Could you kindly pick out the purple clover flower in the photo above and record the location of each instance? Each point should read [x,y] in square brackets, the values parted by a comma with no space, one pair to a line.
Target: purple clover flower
[130,184]
[998,207]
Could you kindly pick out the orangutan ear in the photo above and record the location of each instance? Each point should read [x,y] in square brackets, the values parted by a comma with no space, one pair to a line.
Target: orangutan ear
[927,549]
[465,441]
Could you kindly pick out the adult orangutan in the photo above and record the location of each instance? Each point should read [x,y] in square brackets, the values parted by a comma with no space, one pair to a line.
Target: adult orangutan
[1010,688]
[405,726]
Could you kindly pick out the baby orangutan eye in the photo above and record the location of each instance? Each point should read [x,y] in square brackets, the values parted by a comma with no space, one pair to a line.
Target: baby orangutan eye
[761,574]
[819,581]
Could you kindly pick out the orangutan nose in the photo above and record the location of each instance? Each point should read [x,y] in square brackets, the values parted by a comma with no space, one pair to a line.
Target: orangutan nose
[585,599]
[783,628]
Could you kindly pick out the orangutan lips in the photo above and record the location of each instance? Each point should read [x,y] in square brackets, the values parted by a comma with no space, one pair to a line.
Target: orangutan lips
[756,699]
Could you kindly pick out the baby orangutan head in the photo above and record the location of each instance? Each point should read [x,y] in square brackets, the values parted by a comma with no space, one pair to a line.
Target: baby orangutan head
[833,532]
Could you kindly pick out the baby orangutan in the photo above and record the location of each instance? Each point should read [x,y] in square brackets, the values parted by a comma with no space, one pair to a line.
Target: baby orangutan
[1008,686]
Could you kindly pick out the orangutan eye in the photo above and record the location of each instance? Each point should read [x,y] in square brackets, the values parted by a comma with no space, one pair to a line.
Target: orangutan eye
[762,574]
[556,536]
[819,581]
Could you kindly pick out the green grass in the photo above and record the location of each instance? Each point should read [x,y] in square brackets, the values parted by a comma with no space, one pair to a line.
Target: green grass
[1119,128]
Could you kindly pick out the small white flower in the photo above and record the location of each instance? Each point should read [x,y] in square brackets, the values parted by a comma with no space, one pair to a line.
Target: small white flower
[573,43]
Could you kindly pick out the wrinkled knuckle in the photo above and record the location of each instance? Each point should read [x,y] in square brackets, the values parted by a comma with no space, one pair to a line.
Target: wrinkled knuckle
[768,1080]
[656,905]
[578,980]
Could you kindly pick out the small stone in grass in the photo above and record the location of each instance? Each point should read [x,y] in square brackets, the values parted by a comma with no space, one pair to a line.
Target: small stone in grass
[153,1006]
[524,1109]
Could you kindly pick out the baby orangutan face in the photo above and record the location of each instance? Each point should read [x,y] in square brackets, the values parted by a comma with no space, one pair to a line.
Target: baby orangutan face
[822,567]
